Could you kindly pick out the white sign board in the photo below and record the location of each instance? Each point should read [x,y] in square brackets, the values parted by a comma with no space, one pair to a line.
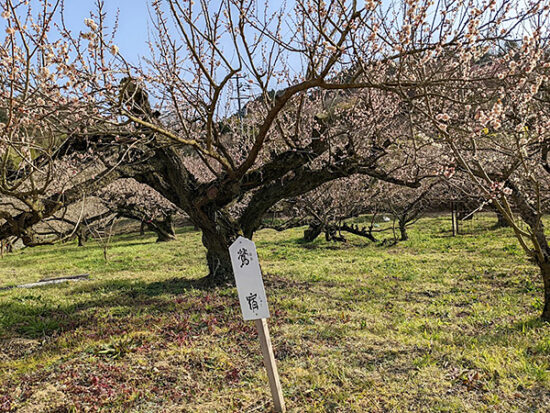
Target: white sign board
[248,278]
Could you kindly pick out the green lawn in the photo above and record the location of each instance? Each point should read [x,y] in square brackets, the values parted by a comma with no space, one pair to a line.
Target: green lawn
[435,323]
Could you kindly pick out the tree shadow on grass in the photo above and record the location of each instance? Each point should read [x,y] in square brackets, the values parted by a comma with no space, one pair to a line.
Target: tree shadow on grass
[28,257]
[318,244]
[29,317]
[132,289]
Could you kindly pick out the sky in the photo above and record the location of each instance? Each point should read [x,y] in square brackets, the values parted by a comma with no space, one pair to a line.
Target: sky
[132,33]
[134,26]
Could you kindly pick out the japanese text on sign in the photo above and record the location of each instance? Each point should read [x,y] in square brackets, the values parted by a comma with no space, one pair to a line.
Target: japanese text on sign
[248,278]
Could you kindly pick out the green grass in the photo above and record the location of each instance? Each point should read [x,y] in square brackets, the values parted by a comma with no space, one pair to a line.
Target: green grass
[435,323]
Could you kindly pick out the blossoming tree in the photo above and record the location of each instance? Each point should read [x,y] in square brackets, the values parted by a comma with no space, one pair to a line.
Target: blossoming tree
[494,119]
[328,79]
[50,91]
[318,90]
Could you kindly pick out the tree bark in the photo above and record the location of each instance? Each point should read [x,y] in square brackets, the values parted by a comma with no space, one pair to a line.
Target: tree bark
[203,204]
[82,236]
[545,272]
[332,233]
[312,231]
[219,231]
[354,229]
[533,217]
[403,230]
[164,229]
[220,271]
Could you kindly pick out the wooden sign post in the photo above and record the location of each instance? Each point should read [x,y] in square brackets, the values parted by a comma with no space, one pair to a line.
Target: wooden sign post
[253,300]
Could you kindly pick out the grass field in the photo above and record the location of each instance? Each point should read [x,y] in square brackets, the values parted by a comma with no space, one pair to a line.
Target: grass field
[435,323]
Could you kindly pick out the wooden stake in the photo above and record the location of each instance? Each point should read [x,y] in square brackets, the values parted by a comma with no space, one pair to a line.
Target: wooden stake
[453,218]
[270,365]
[253,301]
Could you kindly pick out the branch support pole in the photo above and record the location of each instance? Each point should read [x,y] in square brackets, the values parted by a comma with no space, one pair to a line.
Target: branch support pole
[454,222]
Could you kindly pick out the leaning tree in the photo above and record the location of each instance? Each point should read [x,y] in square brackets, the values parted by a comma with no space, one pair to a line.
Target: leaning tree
[326,209]
[494,118]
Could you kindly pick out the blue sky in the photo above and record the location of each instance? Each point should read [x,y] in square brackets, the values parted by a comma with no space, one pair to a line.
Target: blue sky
[132,33]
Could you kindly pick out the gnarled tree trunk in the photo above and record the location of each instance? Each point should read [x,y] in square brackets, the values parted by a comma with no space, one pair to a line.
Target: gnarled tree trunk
[541,252]
[82,235]
[220,271]
[164,229]
[545,272]
[313,231]
[403,230]
[219,231]
[142,228]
